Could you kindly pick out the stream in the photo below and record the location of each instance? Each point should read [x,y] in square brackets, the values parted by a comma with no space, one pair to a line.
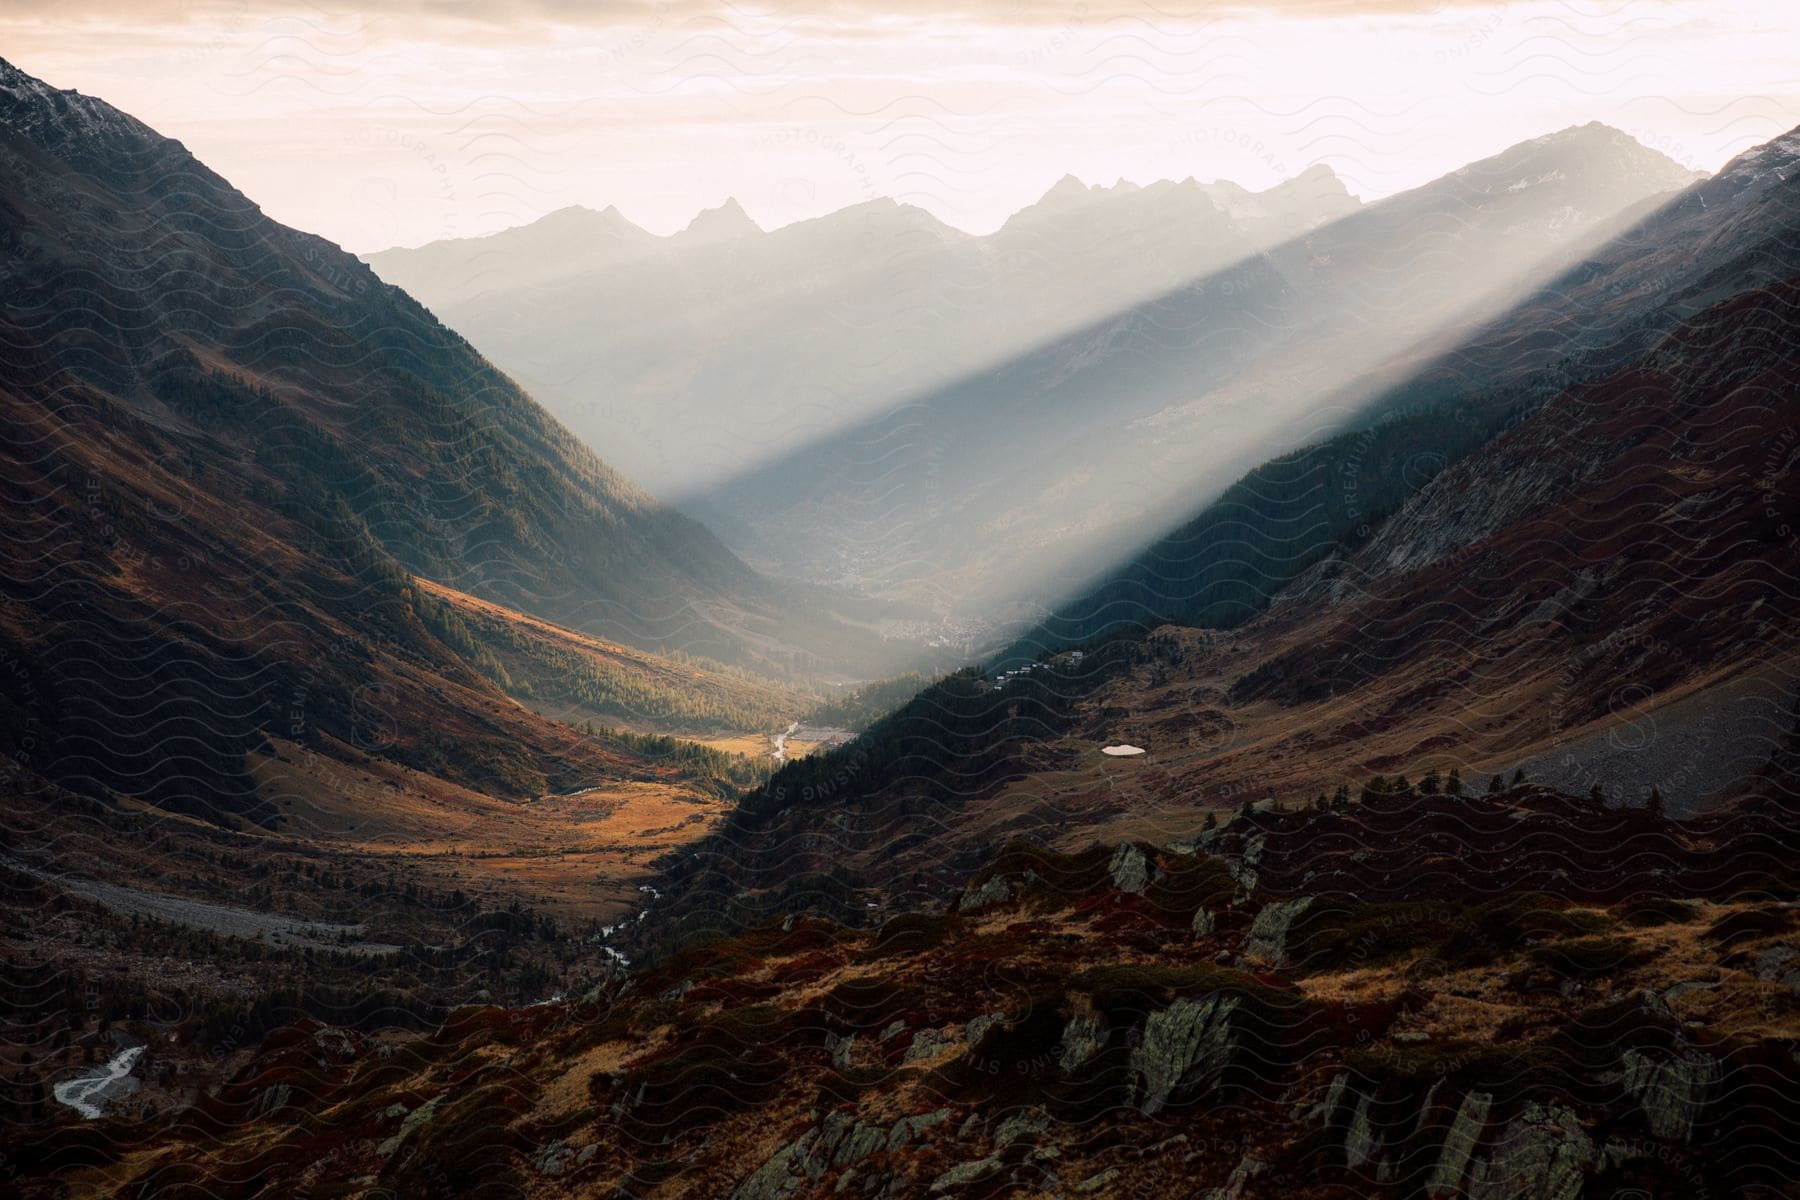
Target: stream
[85,1092]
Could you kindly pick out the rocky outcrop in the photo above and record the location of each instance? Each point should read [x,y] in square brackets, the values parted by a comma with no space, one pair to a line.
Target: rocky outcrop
[1094,1183]
[1460,1143]
[927,1043]
[271,1100]
[977,1027]
[1671,1090]
[1188,1043]
[993,890]
[966,1173]
[1334,1096]
[1083,1037]
[1267,939]
[559,1157]
[777,1178]
[1238,1180]
[1361,1142]
[1204,923]
[1780,964]
[414,1119]
[840,1141]
[1129,870]
[1020,1125]
[1542,1154]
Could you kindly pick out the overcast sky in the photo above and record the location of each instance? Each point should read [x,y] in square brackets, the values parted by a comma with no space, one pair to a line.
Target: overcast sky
[397,122]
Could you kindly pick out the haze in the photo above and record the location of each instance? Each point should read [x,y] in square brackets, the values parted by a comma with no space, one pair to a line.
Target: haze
[400,122]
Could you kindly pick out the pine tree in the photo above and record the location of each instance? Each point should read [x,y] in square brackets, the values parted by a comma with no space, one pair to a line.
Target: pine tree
[1518,777]
[1653,805]
[1496,785]
[1453,785]
[1212,820]
[1597,794]
[1431,785]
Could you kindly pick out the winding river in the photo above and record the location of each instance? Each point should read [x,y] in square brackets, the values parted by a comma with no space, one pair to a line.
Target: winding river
[85,1092]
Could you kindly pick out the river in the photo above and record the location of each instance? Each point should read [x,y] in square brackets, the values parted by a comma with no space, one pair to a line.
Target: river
[780,754]
[85,1092]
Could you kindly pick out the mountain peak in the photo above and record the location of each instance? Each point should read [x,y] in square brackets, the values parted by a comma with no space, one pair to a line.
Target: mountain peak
[721,223]
[61,120]
[1066,190]
[1577,160]
[577,221]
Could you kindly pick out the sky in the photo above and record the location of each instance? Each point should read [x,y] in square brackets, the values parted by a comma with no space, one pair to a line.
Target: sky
[400,122]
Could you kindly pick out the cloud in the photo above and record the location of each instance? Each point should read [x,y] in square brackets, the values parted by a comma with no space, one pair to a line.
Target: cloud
[455,17]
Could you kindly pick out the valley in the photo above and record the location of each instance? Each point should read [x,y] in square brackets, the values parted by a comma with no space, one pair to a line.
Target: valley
[1195,691]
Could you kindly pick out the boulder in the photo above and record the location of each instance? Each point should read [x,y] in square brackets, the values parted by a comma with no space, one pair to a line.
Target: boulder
[1542,1154]
[994,890]
[1780,964]
[1024,1124]
[777,1178]
[414,1119]
[927,1043]
[1190,1042]
[1671,1090]
[1130,872]
[1239,1179]
[977,1027]
[271,1100]
[1083,1037]
[1361,1142]
[1094,1183]
[1460,1144]
[1267,938]
[966,1173]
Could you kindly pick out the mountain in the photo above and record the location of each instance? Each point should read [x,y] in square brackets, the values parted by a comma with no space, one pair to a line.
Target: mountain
[340,678]
[1022,480]
[249,483]
[724,352]
[366,411]
[1721,237]
[1581,572]
[569,238]
[726,223]
[1199,892]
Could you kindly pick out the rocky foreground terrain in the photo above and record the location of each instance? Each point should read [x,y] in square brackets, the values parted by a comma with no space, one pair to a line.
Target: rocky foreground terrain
[1404,993]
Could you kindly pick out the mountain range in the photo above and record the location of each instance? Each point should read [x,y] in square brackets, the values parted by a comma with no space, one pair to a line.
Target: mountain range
[1562,546]
[1402,807]
[977,423]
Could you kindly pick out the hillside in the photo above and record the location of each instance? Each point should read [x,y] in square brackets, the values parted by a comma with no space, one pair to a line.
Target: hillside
[257,761]
[284,363]
[1722,237]
[1020,481]
[1517,995]
[1591,582]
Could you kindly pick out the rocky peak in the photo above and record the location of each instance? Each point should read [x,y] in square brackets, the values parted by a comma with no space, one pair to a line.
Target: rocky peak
[64,122]
[723,223]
